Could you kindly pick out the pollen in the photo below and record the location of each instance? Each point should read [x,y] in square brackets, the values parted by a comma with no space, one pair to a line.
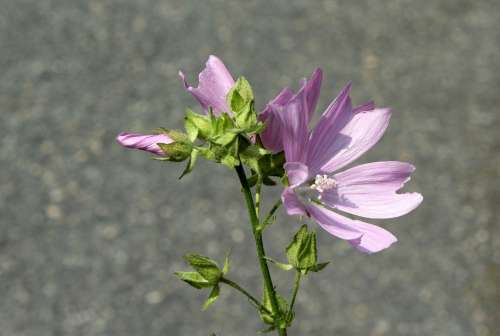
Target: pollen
[323,183]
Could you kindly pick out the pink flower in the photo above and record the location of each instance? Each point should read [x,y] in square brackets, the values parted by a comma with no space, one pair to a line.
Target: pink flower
[313,158]
[145,142]
[214,83]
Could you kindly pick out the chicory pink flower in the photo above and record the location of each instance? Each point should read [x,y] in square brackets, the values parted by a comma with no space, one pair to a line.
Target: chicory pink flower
[145,142]
[313,158]
[214,83]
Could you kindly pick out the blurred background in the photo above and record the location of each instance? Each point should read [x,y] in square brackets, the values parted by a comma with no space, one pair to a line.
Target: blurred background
[90,233]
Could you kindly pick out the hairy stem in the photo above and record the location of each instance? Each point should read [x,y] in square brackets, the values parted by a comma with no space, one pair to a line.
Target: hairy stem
[268,283]
[244,292]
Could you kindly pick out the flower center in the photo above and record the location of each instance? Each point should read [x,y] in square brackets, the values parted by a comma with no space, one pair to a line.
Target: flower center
[323,183]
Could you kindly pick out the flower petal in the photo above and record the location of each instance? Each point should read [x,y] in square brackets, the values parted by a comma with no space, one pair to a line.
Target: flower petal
[333,223]
[214,82]
[297,173]
[374,238]
[365,237]
[369,190]
[294,119]
[326,139]
[364,130]
[271,136]
[145,142]
[292,204]
[368,106]
[313,89]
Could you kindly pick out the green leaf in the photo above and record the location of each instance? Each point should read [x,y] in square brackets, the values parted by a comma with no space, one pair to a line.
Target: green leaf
[302,252]
[201,122]
[230,161]
[194,279]
[240,100]
[214,294]
[191,163]
[224,138]
[239,95]
[207,268]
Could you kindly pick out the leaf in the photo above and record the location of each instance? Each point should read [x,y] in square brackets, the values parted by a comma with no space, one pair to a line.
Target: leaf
[207,268]
[224,138]
[240,100]
[214,294]
[230,161]
[201,122]
[194,279]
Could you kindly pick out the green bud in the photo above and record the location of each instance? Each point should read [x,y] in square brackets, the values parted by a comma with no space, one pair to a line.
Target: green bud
[301,252]
[270,316]
[205,266]
[176,151]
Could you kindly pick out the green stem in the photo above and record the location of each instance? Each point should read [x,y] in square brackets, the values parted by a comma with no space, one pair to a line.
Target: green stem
[244,292]
[270,215]
[258,186]
[298,276]
[268,283]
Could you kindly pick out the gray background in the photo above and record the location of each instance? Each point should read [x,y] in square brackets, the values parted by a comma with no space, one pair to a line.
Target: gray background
[90,233]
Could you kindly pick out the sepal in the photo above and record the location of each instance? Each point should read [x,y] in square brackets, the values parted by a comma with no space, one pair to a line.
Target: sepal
[280,265]
[214,295]
[194,279]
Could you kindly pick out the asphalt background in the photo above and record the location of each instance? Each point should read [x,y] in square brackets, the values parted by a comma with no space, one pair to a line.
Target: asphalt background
[90,233]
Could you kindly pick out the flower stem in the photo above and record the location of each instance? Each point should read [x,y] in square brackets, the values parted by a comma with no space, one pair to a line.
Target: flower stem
[298,276]
[267,221]
[258,186]
[244,292]
[268,283]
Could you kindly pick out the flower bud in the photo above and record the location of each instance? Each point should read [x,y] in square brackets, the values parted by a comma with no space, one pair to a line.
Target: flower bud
[145,142]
